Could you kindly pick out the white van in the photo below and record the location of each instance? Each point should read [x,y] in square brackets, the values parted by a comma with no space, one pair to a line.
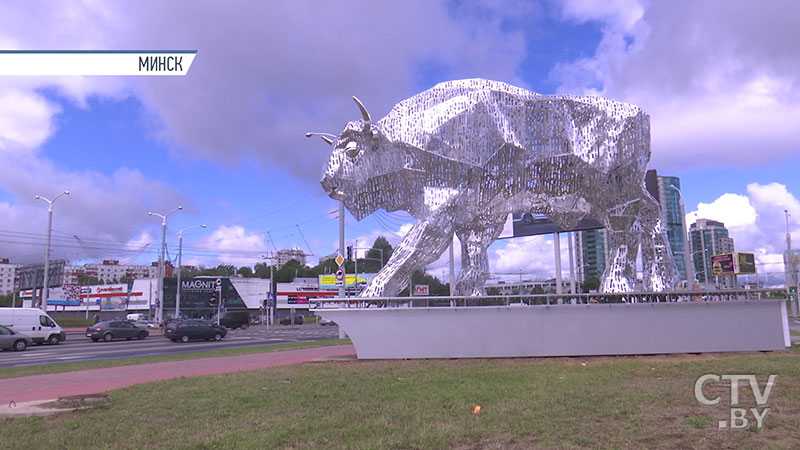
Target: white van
[33,322]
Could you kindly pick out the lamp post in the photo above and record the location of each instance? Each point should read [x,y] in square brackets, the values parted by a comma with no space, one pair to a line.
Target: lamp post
[686,256]
[178,285]
[702,250]
[791,276]
[272,286]
[160,309]
[45,291]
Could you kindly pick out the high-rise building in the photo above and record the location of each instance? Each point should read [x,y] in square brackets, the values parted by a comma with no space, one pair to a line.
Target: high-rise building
[284,256]
[590,249]
[708,238]
[8,276]
[791,267]
[667,191]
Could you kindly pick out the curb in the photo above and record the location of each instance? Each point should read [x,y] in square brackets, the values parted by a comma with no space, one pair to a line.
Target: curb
[30,409]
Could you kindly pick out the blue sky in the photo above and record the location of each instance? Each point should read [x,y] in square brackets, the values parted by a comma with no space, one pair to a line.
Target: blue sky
[718,78]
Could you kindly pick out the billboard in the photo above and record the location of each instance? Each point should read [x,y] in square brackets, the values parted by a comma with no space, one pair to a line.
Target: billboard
[723,265]
[421,290]
[746,262]
[329,281]
[733,264]
[530,224]
[32,275]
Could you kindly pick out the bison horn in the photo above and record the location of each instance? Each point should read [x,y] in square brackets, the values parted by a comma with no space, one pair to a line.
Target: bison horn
[364,112]
[327,139]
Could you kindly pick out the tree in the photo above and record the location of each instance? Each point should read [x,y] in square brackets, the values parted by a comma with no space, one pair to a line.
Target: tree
[246,272]
[86,280]
[591,284]
[374,260]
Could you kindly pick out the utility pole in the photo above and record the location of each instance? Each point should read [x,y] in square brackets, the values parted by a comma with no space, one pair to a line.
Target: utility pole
[571,262]
[341,245]
[178,287]
[557,250]
[791,277]
[45,288]
[160,309]
[355,260]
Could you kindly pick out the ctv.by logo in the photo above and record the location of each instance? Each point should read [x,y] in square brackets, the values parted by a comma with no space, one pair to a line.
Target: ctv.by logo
[738,416]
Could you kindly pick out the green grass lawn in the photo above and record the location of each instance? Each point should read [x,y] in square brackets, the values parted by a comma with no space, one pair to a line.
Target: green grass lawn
[606,402]
[74,322]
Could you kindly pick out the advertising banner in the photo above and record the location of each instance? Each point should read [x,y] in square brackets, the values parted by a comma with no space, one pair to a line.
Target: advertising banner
[421,290]
[746,263]
[733,264]
[329,281]
[530,224]
[723,265]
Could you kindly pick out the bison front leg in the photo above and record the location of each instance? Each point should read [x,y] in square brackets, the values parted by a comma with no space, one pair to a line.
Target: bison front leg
[475,242]
[422,245]
[660,272]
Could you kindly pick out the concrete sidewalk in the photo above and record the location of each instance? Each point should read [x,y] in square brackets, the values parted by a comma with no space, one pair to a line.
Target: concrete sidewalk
[39,388]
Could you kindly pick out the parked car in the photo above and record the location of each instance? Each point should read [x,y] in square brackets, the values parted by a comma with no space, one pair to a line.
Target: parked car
[323,321]
[34,323]
[234,319]
[298,320]
[186,330]
[116,329]
[10,339]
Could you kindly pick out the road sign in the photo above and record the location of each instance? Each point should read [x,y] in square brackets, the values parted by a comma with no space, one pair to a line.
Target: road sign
[339,259]
[219,284]
[339,274]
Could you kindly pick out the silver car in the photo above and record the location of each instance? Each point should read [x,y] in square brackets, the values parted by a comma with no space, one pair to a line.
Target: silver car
[10,339]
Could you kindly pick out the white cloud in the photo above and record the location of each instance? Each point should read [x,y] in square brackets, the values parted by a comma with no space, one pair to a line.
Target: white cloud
[757,221]
[718,78]
[231,245]
[25,121]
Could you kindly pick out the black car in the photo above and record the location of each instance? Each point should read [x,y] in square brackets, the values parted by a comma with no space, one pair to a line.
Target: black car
[186,330]
[298,320]
[234,319]
[115,329]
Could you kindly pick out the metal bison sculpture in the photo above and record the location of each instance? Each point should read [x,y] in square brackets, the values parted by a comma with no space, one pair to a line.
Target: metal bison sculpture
[464,154]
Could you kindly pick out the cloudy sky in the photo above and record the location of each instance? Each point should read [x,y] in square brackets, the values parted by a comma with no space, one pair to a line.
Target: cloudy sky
[720,80]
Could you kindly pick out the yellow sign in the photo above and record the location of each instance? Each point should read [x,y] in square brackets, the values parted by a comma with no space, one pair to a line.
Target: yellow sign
[339,259]
[329,281]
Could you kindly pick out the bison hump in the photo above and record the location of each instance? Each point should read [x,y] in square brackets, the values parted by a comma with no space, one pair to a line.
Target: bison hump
[468,121]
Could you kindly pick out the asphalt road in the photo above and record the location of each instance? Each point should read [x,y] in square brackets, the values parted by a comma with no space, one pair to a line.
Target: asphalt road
[78,347]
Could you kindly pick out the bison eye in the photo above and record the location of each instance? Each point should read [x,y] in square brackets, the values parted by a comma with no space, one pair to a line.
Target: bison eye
[351,149]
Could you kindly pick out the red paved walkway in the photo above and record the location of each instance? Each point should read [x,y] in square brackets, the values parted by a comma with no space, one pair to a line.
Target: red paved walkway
[51,386]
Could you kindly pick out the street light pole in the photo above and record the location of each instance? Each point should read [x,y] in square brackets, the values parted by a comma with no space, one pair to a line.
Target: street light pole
[686,256]
[272,287]
[791,277]
[45,291]
[180,252]
[160,310]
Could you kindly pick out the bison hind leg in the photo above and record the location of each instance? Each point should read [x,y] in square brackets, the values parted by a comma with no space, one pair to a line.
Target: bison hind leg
[475,241]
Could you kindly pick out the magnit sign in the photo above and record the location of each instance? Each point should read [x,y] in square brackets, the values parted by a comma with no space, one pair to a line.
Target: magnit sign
[199,285]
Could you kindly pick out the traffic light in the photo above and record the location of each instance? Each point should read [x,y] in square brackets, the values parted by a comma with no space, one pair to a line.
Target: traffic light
[792,293]
[349,253]
[212,301]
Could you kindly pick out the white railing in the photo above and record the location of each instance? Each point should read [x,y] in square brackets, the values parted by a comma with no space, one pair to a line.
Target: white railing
[555,299]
